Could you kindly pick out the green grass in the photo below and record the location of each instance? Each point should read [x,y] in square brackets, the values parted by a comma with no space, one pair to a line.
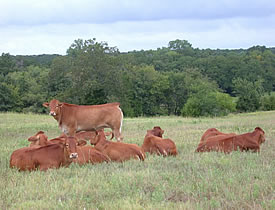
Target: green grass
[188,181]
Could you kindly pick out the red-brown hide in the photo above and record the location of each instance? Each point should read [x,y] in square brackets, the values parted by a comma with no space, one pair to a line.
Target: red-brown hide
[155,144]
[44,157]
[86,154]
[213,132]
[117,151]
[243,142]
[72,118]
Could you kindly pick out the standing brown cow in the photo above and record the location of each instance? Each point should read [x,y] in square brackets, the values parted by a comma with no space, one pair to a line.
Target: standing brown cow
[72,118]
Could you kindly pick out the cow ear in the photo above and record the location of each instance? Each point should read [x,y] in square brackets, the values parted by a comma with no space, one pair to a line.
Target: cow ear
[46,104]
[81,143]
[60,104]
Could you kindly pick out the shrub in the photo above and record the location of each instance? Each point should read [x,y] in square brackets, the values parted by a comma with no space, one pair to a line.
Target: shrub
[268,101]
[209,104]
[248,93]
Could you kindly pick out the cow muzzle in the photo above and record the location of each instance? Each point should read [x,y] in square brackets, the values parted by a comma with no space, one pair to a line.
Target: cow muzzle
[52,113]
[73,155]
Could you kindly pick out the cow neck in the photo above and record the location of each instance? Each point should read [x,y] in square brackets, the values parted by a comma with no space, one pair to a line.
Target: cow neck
[255,135]
[43,141]
[67,159]
[62,109]
[101,143]
[151,133]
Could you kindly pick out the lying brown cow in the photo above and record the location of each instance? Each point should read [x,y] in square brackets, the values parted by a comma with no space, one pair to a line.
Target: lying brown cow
[243,142]
[44,157]
[72,118]
[213,132]
[86,154]
[154,143]
[117,151]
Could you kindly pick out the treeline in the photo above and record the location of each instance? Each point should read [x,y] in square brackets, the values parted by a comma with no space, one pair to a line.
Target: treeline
[173,80]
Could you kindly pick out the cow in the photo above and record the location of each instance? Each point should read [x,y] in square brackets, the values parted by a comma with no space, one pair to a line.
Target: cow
[86,154]
[116,151]
[155,144]
[44,157]
[242,142]
[213,132]
[72,118]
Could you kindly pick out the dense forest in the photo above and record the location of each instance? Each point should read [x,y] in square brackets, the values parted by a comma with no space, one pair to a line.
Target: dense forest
[173,80]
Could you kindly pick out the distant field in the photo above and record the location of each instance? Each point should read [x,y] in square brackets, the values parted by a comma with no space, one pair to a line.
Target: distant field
[188,181]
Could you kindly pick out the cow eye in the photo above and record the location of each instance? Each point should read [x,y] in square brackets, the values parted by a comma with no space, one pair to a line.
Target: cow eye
[67,145]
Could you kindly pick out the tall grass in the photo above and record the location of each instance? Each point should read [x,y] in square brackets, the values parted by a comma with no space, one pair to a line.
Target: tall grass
[188,181]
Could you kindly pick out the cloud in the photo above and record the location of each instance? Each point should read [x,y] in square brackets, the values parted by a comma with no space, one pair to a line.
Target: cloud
[38,27]
[33,12]
[137,35]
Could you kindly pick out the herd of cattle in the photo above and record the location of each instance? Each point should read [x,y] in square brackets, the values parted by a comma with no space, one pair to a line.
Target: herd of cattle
[80,124]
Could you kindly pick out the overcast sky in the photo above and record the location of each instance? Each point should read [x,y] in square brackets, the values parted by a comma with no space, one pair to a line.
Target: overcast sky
[32,27]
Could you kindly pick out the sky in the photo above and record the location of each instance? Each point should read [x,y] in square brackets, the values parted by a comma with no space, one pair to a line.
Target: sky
[33,27]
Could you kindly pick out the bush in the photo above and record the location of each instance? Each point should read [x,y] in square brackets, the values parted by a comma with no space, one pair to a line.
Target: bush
[209,104]
[268,101]
[248,93]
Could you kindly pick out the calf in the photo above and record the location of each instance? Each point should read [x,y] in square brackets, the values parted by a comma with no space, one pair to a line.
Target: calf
[44,157]
[117,151]
[155,144]
[243,142]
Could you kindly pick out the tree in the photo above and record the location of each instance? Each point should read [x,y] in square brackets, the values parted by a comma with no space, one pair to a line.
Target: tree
[206,103]
[7,64]
[268,101]
[248,93]
[176,94]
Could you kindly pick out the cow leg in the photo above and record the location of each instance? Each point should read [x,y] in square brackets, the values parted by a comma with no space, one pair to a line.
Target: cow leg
[117,134]
[161,151]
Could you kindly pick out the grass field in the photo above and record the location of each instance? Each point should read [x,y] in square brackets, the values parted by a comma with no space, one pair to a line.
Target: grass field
[188,181]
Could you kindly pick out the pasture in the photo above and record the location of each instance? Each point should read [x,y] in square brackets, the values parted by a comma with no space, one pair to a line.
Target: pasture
[188,181]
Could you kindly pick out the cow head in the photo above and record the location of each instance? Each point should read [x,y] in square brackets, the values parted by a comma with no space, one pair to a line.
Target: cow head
[38,139]
[262,135]
[99,135]
[54,106]
[157,131]
[70,144]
